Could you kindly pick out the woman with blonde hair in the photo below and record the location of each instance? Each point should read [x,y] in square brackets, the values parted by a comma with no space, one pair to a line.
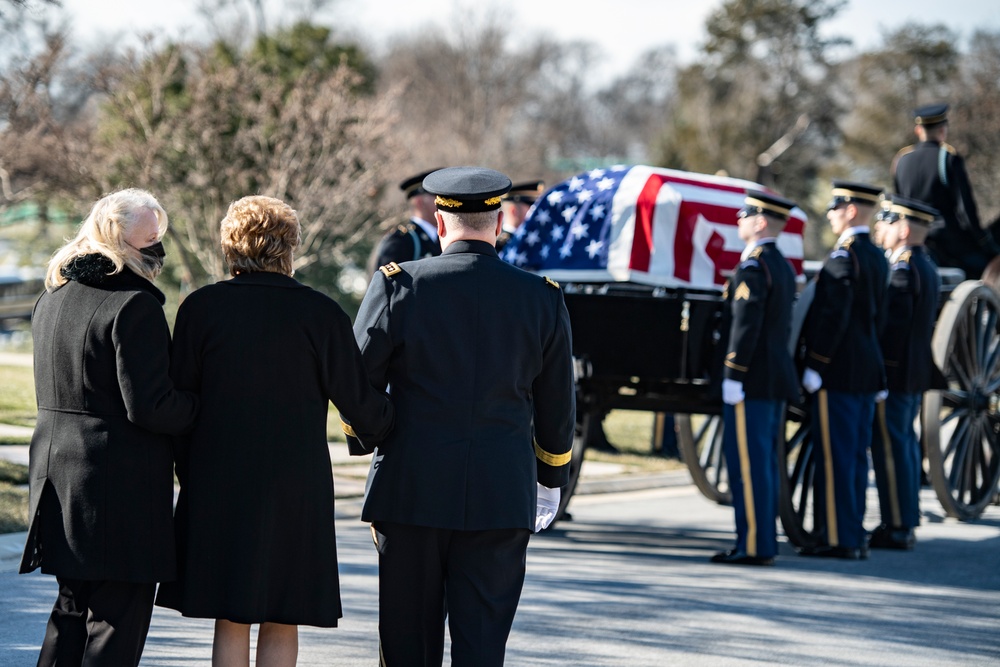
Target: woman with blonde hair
[101,466]
[255,514]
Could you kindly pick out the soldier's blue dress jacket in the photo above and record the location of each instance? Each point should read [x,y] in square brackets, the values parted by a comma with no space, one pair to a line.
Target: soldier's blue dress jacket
[914,287]
[841,336]
[476,355]
[935,174]
[757,318]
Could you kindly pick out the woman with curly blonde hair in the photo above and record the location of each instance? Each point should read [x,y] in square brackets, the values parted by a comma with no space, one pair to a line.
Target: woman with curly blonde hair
[255,515]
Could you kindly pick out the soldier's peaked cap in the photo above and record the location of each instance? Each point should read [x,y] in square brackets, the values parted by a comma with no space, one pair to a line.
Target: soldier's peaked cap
[758,201]
[931,114]
[467,189]
[851,192]
[913,210]
[413,185]
[526,192]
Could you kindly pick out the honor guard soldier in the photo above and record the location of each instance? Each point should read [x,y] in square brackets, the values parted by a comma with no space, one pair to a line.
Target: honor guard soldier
[415,239]
[516,204]
[911,309]
[758,377]
[477,357]
[843,369]
[932,172]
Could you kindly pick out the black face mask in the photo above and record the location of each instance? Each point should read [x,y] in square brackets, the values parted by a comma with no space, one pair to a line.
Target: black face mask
[154,254]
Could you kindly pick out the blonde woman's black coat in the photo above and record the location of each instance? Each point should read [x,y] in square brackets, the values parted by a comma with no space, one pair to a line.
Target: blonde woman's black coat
[101,465]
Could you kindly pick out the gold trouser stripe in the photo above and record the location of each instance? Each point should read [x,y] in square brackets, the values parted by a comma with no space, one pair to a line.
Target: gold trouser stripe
[548,458]
[659,424]
[831,507]
[741,445]
[347,429]
[890,466]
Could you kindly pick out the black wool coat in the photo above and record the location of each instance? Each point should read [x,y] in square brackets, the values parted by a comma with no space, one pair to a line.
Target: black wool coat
[101,468]
[255,514]
[477,357]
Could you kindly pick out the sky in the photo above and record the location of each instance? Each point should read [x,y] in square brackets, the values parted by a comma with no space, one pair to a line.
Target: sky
[622,29]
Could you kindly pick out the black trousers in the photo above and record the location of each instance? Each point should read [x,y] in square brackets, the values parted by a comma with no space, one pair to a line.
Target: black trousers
[97,624]
[425,574]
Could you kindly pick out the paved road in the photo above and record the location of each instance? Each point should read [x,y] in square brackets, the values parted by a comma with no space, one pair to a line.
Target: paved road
[627,582]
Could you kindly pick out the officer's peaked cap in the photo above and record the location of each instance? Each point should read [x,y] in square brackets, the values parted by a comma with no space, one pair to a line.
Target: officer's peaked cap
[914,210]
[413,185]
[852,192]
[467,189]
[931,114]
[526,192]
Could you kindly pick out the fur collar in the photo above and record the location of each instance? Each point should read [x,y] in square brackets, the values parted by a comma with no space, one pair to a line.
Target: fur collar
[94,270]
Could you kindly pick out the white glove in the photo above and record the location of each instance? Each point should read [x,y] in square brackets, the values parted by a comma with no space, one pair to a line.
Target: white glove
[811,381]
[732,392]
[881,395]
[548,505]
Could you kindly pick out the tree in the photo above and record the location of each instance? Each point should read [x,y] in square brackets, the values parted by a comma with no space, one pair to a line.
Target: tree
[203,126]
[765,75]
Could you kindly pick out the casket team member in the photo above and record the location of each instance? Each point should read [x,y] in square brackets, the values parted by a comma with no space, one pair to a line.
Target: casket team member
[417,237]
[843,369]
[911,310]
[255,515]
[101,469]
[477,356]
[758,377]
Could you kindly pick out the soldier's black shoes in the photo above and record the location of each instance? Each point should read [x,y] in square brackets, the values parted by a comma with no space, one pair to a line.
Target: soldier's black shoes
[733,557]
[826,551]
[885,537]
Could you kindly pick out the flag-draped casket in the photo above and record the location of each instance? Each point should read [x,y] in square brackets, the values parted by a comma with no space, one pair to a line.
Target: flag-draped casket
[644,225]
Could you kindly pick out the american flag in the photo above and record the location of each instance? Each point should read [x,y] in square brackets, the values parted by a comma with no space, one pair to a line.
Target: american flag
[641,224]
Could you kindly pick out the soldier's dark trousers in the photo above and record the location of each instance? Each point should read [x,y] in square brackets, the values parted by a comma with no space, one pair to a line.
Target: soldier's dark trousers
[473,577]
[97,624]
[841,431]
[896,458]
[749,442]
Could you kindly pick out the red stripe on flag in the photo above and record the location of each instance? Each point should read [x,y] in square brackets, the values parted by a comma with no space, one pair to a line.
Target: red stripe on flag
[642,235]
[687,220]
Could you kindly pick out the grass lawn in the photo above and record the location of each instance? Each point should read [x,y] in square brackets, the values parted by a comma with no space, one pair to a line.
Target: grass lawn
[13,500]
[17,396]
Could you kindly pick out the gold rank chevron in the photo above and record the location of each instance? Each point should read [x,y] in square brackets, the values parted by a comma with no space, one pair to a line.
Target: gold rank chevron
[742,292]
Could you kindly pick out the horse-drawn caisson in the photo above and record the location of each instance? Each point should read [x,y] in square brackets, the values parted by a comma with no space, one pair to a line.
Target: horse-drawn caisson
[643,253]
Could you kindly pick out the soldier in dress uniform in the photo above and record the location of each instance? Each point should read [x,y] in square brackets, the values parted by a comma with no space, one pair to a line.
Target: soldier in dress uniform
[414,239]
[932,172]
[758,377]
[843,369]
[901,228]
[516,204]
[477,356]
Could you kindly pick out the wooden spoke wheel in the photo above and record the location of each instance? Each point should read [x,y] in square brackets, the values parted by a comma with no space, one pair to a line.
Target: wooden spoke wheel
[699,438]
[961,424]
[796,482]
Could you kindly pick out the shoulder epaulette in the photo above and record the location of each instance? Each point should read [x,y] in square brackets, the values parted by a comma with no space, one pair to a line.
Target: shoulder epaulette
[551,282]
[904,256]
[848,243]
[756,251]
[390,269]
[904,150]
[948,147]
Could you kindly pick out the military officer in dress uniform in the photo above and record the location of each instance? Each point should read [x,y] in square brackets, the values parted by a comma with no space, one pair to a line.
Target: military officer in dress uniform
[914,285]
[415,239]
[843,369]
[932,172]
[516,204]
[758,377]
[477,357]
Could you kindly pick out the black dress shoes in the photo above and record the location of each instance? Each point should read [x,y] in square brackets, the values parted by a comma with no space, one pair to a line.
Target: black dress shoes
[826,551]
[885,537]
[733,557]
